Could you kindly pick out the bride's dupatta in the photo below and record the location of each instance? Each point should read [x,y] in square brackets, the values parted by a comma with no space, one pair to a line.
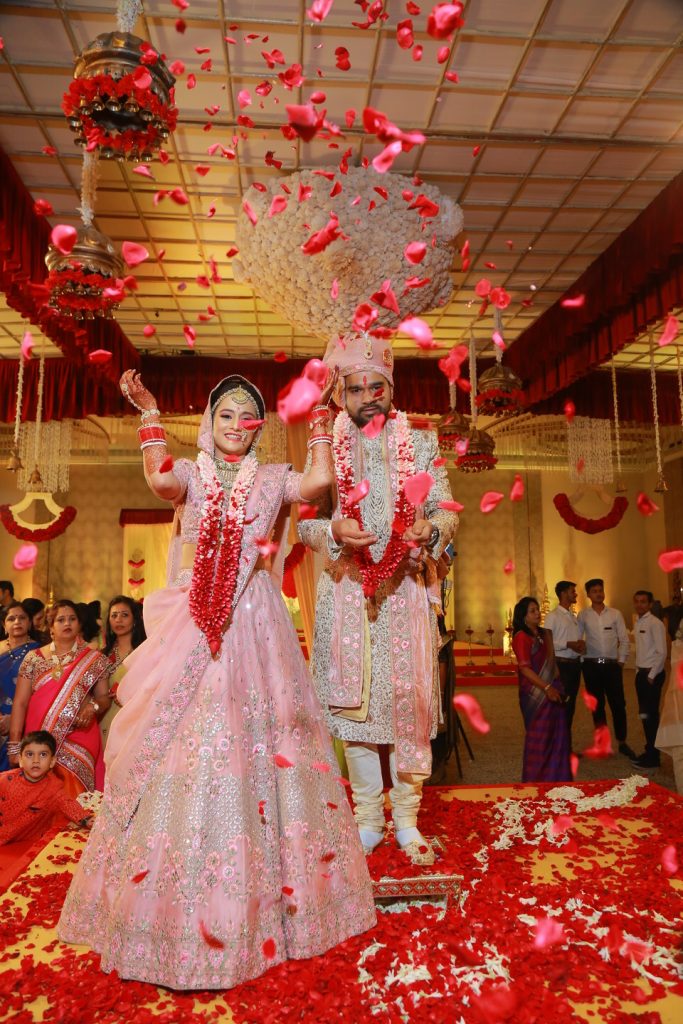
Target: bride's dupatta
[54,706]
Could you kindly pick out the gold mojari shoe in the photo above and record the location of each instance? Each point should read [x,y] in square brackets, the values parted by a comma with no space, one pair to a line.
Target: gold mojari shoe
[419,853]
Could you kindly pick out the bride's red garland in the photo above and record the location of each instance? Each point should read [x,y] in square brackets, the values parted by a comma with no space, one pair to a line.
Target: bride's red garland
[214,576]
[40,533]
[373,573]
[583,523]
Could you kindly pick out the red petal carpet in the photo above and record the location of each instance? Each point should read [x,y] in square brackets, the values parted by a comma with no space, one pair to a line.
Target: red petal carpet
[571,912]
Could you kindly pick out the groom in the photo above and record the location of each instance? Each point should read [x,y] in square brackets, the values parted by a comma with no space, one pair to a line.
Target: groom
[375,645]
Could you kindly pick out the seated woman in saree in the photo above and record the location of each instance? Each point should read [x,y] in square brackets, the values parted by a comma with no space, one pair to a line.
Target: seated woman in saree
[225,842]
[541,698]
[63,688]
[20,640]
[124,630]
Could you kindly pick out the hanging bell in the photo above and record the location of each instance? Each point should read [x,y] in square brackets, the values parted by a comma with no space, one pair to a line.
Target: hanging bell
[14,463]
[662,486]
[620,487]
[36,480]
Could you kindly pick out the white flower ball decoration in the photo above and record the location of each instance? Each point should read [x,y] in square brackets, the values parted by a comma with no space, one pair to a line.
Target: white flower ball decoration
[301,287]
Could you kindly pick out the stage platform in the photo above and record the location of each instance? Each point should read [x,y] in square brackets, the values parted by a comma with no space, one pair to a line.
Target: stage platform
[570,910]
[482,666]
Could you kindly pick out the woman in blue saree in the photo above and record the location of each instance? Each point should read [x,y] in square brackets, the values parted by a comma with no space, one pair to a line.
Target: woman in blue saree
[541,698]
[13,650]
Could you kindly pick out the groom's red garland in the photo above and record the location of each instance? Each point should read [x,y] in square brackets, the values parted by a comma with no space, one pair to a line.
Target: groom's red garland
[41,533]
[583,523]
[373,573]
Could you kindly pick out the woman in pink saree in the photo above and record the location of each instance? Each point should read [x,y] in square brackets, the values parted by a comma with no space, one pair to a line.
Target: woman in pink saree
[225,843]
[64,688]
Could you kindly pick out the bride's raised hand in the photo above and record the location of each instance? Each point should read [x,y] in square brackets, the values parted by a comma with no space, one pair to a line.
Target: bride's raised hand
[330,385]
[135,391]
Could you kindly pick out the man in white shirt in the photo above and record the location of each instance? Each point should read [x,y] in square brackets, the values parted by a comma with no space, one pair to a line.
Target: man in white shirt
[607,645]
[650,633]
[568,643]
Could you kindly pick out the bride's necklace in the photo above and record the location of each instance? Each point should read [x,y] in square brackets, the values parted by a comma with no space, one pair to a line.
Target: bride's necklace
[227,473]
[58,661]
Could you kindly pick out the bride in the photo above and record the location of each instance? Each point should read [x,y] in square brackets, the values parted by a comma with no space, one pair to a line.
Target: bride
[225,843]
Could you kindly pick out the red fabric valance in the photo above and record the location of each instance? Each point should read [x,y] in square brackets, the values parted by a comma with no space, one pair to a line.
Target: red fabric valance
[636,281]
[145,516]
[24,237]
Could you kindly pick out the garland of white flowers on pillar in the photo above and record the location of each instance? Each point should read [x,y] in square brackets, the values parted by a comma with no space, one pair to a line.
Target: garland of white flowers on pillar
[661,482]
[617,437]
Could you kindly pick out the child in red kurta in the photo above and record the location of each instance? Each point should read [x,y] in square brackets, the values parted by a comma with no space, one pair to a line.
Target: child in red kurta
[31,797]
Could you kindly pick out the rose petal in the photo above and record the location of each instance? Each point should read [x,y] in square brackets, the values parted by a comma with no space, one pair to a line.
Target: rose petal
[167,465]
[574,303]
[509,567]
[470,706]
[670,560]
[209,939]
[297,399]
[669,860]
[317,371]
[670,332]
[282,762]
[569,411]
[419,330]
[417,487]
[547,932]
[43,208]
[149,330]
[602,743]
[269,949]
[450,506]
[374,427]
[444,20]
[450,364]
[99,356]
[589,700]
[27,344]
[25,557]
[358,492]
[321,766]
[482,288]
[136,879]
[383,161]
[517,489]
[133,253]
[561,824]
[63,238]
[190,335]
[645,505]
[278,205]
[415,252]
[490,501]
[319,10]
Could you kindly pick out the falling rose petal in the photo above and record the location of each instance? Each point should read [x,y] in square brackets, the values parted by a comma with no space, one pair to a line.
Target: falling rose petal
[547,932]
[383,161]
[269,949]
[149,330]
[670,560]
[244,98]
[415,252]
[334,290]
[99,356]
[417,487]
[328,857]
[25,557]
[317,371]
[670,332]
[266,547]
[249,210]
[607,822]
[318,97]
[251,424]
[419,330]
[645,505]
[136,879]
[134,254]
[569,411]
[27,345]
[343,781]
[517,489]
[320,766]
[575,302]
[304,119]
[573,764]
[602,744]
[589,700]
[209,939]
[450,365]
[320,240]
[498,341]
[167,465]
[179,197]
[444,19]
[450,506]
[63,238]
[440,461]
[144,171]
[297,399]
[282,762]
[482,288]
[509,567]
[463,443]
[374,427]
[342,56]
[43,208]
[190,335]
[469,705]
[452,76]
[669,860]
[319,10]
[358,492]
[142,78]
[490,501]
[280,357]
[561,824]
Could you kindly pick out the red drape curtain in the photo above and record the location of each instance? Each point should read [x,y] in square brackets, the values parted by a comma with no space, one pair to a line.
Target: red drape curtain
[637,280]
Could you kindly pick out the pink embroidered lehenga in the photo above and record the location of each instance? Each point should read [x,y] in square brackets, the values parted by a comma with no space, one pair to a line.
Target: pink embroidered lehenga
[224,823]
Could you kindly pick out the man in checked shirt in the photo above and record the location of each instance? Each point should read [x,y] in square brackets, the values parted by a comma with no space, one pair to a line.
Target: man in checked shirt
[650,635]
[607,647]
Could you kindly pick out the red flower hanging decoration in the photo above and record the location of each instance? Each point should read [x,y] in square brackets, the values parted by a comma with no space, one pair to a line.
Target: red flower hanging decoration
[41,533]
[583,523]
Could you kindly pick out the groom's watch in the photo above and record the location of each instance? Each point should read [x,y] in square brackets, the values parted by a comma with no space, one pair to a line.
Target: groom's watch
[434,538]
